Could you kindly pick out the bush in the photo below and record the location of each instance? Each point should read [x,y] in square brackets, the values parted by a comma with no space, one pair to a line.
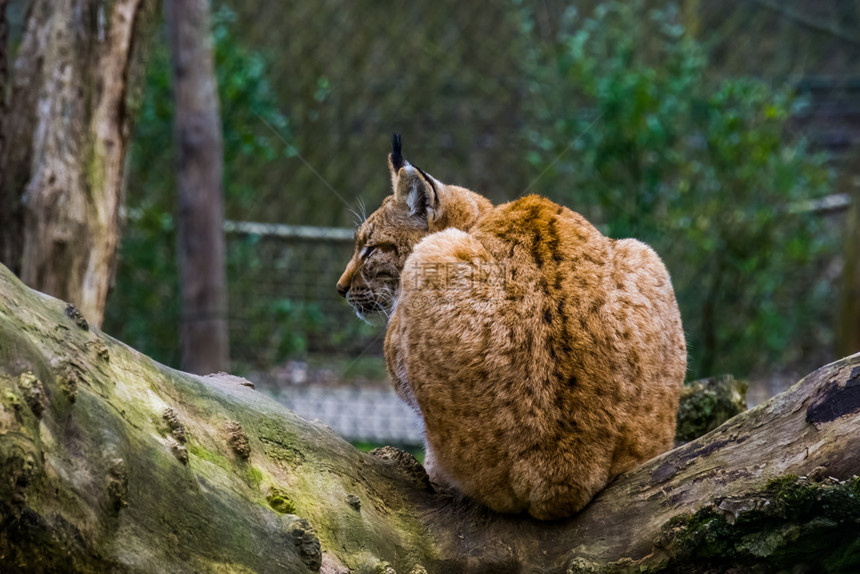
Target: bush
[705,171]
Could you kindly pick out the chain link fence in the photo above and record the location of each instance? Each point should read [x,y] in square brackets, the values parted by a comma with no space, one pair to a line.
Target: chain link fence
[360,414]
[301,342]
[285,310]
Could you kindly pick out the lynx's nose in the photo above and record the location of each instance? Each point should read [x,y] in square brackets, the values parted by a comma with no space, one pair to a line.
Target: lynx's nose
[346,279]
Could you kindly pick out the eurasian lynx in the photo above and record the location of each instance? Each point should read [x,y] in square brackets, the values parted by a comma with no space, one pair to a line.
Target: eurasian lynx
[543,357]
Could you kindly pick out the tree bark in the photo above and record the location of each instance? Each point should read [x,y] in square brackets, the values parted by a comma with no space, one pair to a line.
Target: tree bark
[11,218]
[848,328]
[197,129]
[62,181]
[112,462]
[4,80]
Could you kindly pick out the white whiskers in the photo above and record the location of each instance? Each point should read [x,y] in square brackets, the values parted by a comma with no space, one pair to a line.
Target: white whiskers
[360,212]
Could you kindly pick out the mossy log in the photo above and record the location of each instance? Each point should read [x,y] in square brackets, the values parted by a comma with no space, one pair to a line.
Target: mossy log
[707,403]
[111,462]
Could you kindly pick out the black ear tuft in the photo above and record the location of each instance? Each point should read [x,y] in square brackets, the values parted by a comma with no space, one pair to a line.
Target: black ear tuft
[397,160]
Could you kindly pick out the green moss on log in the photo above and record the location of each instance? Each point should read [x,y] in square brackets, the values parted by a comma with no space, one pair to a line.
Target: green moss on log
[280,501]
[209,456]
[793,522]
[708,403]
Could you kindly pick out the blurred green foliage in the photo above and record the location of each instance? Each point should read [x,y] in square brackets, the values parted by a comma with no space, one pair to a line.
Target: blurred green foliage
[707,172]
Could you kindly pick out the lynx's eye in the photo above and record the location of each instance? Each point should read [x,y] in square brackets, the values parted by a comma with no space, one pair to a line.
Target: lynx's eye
[366,251]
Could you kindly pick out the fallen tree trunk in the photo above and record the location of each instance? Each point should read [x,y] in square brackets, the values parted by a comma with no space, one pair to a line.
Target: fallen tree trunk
[112,462]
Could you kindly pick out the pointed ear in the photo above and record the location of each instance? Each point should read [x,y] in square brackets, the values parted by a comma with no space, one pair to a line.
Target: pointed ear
[412,187]
[416,190]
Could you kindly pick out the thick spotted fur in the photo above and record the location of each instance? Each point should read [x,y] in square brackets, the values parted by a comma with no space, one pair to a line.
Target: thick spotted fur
[544,358]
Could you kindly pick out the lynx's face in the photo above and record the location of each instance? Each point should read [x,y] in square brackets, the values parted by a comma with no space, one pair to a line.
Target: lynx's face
[371,281]
[418,205]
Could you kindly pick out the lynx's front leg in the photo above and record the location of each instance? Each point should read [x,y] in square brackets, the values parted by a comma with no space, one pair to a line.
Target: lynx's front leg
[394,358]
[439,479]
[396,364]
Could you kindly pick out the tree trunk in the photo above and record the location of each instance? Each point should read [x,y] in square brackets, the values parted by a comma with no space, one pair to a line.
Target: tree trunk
[10,212]
[62,181]
[112,462]
[848,329]
[4,79]
[197,130]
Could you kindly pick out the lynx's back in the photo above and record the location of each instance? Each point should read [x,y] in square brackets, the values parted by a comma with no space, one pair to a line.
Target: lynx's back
[544,358]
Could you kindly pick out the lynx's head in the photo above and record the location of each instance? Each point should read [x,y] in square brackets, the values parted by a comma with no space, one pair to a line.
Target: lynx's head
[419,205]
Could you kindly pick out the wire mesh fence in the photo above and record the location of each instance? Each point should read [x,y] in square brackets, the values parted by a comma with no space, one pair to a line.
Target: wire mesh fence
[284,305]
[300,341]
[360,414]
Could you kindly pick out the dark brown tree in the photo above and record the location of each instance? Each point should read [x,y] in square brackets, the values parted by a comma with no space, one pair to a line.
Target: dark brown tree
[197,132]
[69,118]
[4,80]
[848,330]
